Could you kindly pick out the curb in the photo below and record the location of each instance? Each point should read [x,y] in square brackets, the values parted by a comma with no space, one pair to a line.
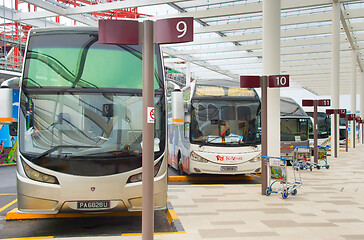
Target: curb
[173,219]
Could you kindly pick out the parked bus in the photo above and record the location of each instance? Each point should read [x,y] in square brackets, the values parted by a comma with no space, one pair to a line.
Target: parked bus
[80,125]
[221,130]
[324,129]
[294,127]
[342,131]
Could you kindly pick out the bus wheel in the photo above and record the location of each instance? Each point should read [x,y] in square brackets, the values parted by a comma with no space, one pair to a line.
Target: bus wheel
[180,171]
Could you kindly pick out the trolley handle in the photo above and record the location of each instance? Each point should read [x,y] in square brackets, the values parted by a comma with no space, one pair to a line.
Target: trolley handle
[283,159]
[324,147]
[297,147]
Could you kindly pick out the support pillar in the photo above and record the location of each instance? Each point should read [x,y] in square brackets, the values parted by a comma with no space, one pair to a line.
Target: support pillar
[362,103]
[271,66]
[353,95]
[335,72]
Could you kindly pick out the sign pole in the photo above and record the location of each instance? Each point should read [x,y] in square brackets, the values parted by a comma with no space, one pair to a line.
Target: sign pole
[148,133]
[335,132]
[315,132]
[264,137]
[272,81]
[347,134]
[354,133]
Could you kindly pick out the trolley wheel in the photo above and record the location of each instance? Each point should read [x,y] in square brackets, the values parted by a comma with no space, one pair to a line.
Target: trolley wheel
[327,166]
[318,167]
[268,192]
[301,167]
[284,194]
[294,192]
[311,168]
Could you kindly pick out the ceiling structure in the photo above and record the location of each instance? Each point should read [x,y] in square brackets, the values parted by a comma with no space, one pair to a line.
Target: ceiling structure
[228,36]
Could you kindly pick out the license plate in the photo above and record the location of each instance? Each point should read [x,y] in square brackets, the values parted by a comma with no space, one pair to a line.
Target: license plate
[228,168]
[93,204]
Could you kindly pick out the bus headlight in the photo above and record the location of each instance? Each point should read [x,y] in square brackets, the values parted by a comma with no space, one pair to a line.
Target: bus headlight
[256,159]
[138,177]
[38,176]
[198,158]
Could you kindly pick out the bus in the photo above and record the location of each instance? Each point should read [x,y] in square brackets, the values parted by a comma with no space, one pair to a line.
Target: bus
[80,125]
[294,127]
[221,130]
[324,129]
[342,131]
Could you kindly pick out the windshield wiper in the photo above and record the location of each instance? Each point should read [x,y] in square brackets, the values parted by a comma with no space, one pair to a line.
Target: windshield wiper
[60,147]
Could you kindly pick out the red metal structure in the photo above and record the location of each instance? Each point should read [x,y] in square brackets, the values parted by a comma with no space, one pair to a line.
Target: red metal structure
[13,35]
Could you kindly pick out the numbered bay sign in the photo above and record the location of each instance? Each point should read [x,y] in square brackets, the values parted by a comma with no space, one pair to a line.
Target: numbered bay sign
[174,30]
[278,81]
[274,81]
[320,102]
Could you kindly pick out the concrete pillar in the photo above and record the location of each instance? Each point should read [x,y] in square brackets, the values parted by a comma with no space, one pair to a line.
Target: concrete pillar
[361,102]
[271,66]
[335,70]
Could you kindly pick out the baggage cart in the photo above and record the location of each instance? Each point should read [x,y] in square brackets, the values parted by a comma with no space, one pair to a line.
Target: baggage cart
[322,157]
[302,158]
[277,177]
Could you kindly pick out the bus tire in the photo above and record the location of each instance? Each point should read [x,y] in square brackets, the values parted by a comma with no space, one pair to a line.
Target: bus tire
[179,163]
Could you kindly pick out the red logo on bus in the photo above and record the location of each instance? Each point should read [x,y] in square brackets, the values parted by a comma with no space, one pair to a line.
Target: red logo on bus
[220,158]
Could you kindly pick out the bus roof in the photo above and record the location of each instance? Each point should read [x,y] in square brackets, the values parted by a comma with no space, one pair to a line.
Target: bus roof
[291,109]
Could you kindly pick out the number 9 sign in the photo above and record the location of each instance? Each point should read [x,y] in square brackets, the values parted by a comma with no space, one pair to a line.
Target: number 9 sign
[174,30]
[182,29]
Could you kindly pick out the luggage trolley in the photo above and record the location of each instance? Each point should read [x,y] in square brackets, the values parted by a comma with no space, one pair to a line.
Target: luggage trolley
[322,157]
[277,176]
[302,158]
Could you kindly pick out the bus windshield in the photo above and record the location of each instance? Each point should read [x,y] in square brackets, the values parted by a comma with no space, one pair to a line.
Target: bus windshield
[81,105]
[225,122]
[294,129]
[323,124]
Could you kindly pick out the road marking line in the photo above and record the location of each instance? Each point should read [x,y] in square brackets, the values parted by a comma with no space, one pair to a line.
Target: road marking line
[8,205]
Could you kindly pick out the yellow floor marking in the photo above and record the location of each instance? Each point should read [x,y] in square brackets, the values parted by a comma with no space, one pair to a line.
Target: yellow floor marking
[8,205]
[46,237]
[14,215]
[204,178]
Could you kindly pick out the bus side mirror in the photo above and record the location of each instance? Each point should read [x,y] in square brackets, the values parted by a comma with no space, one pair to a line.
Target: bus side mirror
[12,83]
[13,129]
[177,107]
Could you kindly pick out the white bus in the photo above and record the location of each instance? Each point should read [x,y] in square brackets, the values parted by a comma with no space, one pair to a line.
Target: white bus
[294,127]
[80,125]
[324,129]
[221,130]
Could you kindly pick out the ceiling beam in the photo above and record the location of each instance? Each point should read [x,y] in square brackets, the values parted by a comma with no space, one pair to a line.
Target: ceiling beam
[347,28]
[58,11]
[53,12]
[8,14]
